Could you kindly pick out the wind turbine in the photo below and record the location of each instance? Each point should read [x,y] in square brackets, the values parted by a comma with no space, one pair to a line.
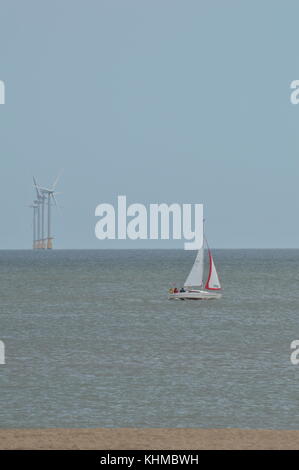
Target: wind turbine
[34,206]
[39,202]
[48,194]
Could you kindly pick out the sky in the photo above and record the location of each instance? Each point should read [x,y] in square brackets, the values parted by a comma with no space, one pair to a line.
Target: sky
[161,101]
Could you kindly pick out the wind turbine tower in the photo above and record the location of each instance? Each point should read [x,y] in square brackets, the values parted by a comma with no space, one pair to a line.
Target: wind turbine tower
[49,194]
[43,240]
[38,240]
[38,202]
[34,206]
[41,198]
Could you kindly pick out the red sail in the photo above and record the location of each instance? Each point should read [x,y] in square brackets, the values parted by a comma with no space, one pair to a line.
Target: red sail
[213,282]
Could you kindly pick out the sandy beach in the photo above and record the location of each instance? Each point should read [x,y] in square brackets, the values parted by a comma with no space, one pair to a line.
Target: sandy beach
[134,438]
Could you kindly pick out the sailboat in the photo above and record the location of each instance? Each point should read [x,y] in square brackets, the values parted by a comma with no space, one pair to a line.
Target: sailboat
[193,286]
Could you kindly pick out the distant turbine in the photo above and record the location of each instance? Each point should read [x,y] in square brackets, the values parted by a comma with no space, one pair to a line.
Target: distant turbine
[34,206]
[42,202]
[49,193]
[39,203]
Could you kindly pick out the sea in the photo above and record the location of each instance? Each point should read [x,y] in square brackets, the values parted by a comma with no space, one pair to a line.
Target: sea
[91,340]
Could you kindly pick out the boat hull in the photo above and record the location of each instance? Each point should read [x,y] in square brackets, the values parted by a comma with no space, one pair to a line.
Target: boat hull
[195,295]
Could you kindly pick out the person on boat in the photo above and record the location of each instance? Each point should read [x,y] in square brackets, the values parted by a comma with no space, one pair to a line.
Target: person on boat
[170,291]
[182,289]
[175,290]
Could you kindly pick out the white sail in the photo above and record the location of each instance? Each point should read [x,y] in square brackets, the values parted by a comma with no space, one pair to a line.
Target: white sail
[213,282]
[196,274]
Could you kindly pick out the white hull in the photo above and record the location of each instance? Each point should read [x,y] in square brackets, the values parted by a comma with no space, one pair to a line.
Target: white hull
[195,295]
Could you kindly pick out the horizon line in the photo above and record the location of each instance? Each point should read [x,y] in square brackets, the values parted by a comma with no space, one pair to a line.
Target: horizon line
[143,249]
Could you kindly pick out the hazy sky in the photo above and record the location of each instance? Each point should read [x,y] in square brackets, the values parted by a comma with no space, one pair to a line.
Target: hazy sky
[160,100]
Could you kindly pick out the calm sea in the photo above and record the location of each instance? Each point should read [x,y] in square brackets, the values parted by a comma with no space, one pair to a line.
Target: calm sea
[92,340]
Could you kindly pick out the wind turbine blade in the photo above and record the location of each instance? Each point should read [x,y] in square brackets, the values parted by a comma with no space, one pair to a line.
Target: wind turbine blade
[54,198]
[36,187]
[44,189]
[57,179]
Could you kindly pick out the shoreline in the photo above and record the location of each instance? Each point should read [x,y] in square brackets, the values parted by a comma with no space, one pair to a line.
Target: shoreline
[148,439]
